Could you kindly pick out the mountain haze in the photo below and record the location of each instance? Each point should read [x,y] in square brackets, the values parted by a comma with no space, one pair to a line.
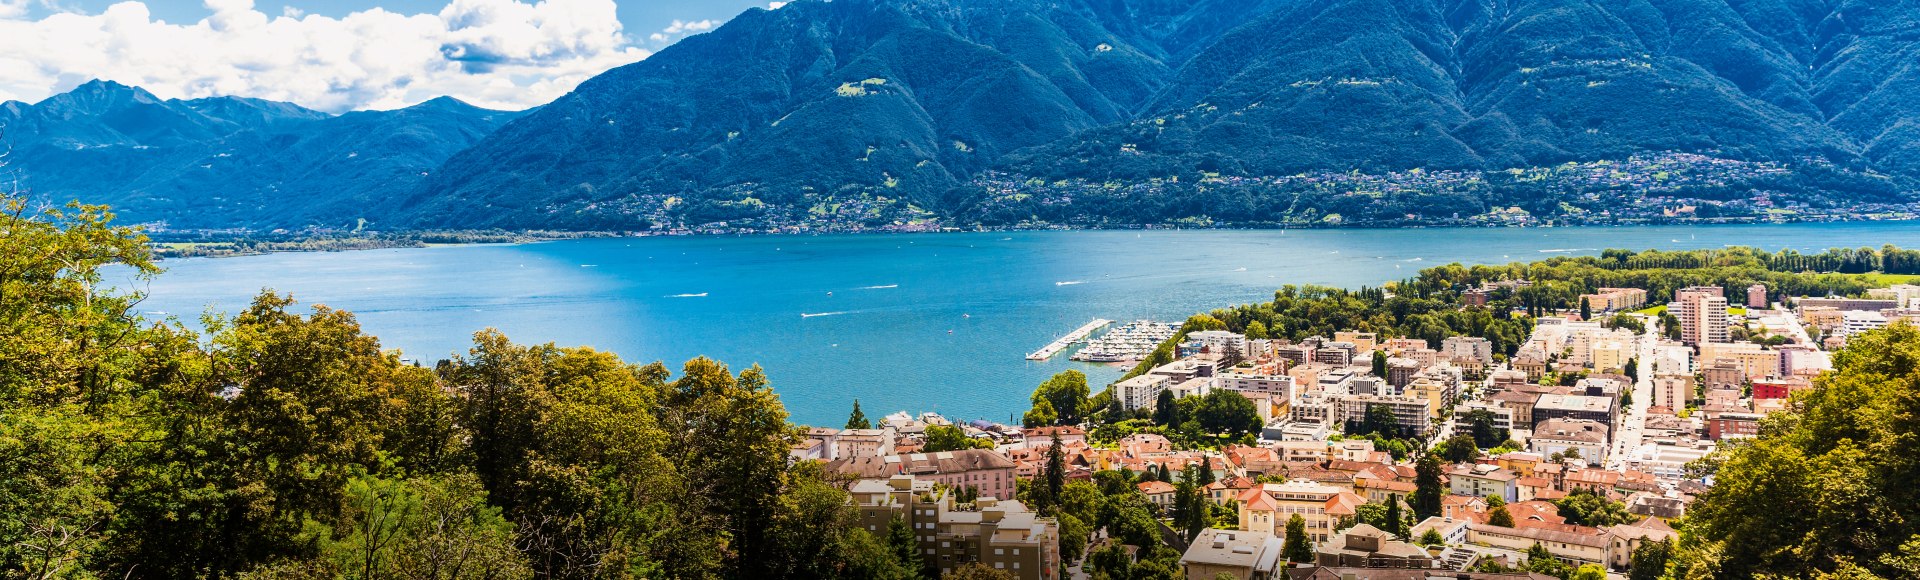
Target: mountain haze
[876,112]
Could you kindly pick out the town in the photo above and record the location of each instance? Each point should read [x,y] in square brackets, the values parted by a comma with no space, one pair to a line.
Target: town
[1356,454]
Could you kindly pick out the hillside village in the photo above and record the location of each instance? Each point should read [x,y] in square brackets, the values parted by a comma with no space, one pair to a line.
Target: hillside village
[1386,457]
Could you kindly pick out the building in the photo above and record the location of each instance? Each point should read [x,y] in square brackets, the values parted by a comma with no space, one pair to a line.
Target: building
[1043,437]
[1473,347]
[1002,535]
[1573,547]
[1159,492]
[1733,425]
[1368,546]
[1625,538]
[1411,414]
[1587,438]
[1845,304]
[1616,299]
[1400,371]
[1858,321]
[1482,480]
[1266,509]
[1672,391]
[1361,341]
[1556,406]
[1702,311]
[1757,296]
[1142,392]
[985,470]
[1752,360]
[863,443]
[1236,554]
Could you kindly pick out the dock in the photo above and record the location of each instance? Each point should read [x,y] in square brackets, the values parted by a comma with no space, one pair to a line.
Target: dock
[1060,344]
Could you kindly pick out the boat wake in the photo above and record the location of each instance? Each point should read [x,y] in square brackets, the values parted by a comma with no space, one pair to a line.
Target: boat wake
[1242,269]
[1069,282]
[813,314]
[878,287]
[700,295]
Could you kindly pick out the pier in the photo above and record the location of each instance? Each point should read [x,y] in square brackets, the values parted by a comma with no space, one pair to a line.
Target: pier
[1078,334]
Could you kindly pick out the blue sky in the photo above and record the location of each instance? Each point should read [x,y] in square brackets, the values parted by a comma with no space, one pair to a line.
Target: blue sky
[340,55]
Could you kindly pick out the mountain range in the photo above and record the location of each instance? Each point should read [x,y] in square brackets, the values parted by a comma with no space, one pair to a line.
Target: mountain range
[877,112]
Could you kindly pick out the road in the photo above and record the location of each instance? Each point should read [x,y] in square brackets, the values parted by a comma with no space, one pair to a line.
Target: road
[1631,426]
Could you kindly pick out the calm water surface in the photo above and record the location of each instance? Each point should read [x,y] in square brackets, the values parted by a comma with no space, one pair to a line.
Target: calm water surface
[923,322]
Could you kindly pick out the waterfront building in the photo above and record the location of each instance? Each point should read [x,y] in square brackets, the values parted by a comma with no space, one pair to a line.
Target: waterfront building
[1141,392]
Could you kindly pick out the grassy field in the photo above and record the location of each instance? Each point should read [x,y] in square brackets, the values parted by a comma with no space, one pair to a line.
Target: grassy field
[1655,310]
[1883,280]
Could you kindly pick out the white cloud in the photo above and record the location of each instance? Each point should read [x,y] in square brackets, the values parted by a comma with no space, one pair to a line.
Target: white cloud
[493,53]
[775,5]
[679,29]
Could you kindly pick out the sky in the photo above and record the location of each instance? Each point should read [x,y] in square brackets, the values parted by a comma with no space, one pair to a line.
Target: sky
[340,55]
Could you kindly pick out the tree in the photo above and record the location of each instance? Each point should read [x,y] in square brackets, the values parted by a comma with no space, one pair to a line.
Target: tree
[1166,412]
[1380,363]
[950,438]
[1460,448]
[427,529]
[976,571]
[1042,415]
[1067,393]
[1649,560]
[858,420]
[1499,517]
[1431,538]
[1541,560]
[1633,372]
[1481,425]
[1589,572]
[1396,521]
[1073,536]
[1298,548]
[1227,412]
[1054,476]
[1257,330]
[1585,508]
[1586,309]
[1428,491]
[1111,561]
[903,545]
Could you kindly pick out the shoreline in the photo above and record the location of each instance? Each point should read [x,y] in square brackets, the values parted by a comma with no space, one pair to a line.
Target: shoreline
[229,244]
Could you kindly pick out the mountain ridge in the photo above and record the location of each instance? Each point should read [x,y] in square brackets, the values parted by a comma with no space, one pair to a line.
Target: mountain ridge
[913,113]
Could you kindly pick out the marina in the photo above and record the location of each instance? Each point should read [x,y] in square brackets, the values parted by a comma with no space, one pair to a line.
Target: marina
[1128,343]
[1060,344]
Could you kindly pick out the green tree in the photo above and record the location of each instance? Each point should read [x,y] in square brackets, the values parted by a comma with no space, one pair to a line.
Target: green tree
[1499,517]
[1428,491]
[904,546]
[1430,538]
[1297,548]
[1584,508]
[426,529]
[1228,413]
[1586,310]
[1460,448]
[1257,330]
[1379,363]
[1166,412]
[976,571]
[1589,572]
[1649,560]
[1481,425]
[1541,560]
[1041,415]
[1395,519]
[1067,393]
[858,420]
[950,438]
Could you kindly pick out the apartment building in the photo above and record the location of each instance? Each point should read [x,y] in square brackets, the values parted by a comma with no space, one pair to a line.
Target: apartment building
[1001,534]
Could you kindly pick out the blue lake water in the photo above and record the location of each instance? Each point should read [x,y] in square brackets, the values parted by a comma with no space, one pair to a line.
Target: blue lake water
[922,322]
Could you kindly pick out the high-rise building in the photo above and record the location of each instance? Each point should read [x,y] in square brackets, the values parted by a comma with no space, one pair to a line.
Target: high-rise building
[1702,311]
[1757,296]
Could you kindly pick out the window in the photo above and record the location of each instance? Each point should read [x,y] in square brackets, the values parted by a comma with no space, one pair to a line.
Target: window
[999,552]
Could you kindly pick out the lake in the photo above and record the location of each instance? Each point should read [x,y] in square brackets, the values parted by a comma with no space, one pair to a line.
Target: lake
[920,322]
